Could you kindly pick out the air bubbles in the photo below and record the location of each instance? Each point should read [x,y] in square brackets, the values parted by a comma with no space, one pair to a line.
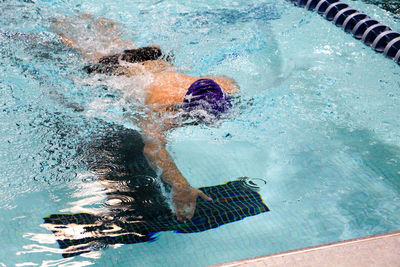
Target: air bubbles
[113,201]
[103,168]
[144,180]
[87,177]
[95,246]
[117,200]
[253,184]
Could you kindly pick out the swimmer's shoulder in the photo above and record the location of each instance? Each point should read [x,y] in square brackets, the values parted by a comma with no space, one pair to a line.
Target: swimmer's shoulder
[168,88]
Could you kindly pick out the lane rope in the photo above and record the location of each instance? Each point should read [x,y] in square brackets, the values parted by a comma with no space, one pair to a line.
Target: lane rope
[378,36]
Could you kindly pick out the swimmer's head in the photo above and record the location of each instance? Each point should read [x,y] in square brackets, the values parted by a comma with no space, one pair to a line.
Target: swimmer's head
[207,95]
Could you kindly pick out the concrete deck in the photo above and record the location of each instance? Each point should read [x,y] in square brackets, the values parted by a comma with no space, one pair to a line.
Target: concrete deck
[378,251]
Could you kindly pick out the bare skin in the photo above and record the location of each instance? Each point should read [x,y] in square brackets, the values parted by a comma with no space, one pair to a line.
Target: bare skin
[167,88]
[103,32]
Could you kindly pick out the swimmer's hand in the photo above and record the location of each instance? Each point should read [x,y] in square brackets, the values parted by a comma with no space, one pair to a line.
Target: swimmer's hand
[184,201]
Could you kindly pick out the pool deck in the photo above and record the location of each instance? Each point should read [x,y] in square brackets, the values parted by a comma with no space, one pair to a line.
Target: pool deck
[378,250]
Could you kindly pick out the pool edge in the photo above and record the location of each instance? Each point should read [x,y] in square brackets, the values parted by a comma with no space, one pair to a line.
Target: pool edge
[374,250]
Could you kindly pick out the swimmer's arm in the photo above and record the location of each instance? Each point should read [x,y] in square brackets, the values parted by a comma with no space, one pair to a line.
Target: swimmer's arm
[183,195]
[155,151]
[101,27]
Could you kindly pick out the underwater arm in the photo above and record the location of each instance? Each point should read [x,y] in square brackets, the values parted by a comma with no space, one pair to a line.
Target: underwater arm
[95,38]
[183,195]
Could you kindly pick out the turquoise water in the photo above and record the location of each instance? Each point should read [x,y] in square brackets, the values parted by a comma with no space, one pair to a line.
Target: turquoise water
[322,128]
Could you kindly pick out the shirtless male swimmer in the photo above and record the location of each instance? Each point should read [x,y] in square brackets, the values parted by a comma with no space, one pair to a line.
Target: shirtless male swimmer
[168,92]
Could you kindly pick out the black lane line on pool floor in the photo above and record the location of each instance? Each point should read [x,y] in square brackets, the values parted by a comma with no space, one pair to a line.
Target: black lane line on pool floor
[372,33]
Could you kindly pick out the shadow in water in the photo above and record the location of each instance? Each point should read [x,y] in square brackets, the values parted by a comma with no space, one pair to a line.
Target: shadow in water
[381,158]
[135,208]
[367,208]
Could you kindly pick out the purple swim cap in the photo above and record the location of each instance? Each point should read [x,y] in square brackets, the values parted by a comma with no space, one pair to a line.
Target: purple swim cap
[205,94]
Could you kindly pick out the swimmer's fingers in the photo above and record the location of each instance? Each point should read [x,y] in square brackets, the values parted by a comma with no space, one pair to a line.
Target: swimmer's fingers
[180,218]
[185,211]
[190,214]
[67,40]
[204,196]
[184,202]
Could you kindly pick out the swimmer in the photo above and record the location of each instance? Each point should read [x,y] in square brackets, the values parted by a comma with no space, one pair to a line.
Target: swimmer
[169,92]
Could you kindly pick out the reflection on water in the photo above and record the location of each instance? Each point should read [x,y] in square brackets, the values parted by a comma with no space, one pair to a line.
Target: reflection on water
[135,208]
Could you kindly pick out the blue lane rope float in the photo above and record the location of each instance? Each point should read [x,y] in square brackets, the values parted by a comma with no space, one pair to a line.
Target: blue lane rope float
[372,33]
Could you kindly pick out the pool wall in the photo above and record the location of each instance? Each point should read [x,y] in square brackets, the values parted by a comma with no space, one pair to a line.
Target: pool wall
[376,250]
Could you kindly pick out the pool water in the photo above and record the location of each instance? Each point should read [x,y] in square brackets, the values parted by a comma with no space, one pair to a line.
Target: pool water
[318,121]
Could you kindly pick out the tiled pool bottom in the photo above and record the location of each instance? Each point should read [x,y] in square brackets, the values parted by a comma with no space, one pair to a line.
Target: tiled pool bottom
[376,250]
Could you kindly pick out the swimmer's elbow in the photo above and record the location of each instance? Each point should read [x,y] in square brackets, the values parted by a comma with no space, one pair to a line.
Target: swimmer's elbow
[153,145]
